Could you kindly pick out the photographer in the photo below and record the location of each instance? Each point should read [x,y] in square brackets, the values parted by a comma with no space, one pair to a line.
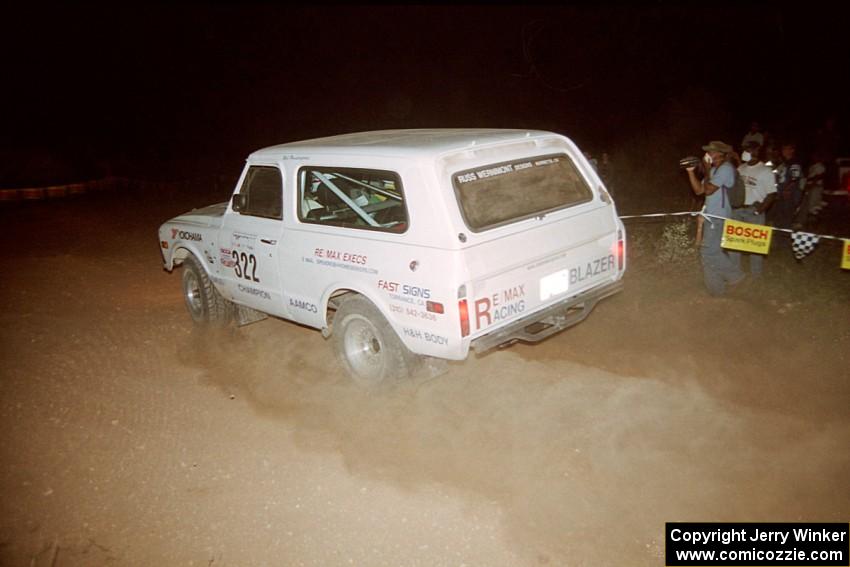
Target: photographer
[719,271]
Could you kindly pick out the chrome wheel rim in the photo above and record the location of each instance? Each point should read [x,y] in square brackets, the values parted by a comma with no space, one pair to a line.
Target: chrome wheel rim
[192,295]
[363,350]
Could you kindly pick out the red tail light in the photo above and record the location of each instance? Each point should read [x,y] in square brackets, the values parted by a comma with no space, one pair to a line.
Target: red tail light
[434,307]
[618,249]
[463,310]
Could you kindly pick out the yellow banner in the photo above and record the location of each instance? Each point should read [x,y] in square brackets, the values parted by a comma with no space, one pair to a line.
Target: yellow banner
[845,256]
[746,237]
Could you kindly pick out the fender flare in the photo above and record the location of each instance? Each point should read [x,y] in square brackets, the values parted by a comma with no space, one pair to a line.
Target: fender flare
[337,287]
[179,251]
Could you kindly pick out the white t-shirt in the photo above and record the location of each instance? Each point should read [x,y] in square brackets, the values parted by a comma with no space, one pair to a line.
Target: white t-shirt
[760,182]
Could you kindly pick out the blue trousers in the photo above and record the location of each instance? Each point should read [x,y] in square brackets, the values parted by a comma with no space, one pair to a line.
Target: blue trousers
[717,267]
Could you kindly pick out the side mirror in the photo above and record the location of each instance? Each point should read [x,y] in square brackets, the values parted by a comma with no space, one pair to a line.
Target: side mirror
[240,202]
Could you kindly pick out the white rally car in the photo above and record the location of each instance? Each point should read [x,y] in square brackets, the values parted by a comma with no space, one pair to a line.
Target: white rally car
[406,245]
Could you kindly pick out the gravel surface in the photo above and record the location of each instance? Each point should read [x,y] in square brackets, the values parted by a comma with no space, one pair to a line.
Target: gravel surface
[131,438]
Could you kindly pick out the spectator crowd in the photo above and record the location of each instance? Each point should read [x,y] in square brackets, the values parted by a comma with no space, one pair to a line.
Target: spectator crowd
[780,190]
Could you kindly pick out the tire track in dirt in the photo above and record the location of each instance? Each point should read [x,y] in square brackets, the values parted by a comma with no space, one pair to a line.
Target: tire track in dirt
[128,436]
[91,388]
[568,451]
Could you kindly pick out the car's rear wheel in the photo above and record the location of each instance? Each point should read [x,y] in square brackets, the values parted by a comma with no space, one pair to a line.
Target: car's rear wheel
[205,305]
[367,346]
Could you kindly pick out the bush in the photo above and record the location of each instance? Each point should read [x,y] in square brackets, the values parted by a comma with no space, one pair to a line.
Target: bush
[677,242]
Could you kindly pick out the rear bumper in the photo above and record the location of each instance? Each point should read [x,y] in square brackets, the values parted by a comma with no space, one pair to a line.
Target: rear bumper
[545,323]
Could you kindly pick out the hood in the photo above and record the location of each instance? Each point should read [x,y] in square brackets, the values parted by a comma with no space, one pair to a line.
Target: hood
[203,215]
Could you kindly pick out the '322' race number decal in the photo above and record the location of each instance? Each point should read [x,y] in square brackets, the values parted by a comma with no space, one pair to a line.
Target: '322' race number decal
[242,265]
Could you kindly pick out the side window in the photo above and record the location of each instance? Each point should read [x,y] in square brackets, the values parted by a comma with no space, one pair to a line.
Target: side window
[354,198]
[263,192]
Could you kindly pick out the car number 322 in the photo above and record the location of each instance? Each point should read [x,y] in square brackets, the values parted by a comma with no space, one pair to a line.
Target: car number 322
[242,264]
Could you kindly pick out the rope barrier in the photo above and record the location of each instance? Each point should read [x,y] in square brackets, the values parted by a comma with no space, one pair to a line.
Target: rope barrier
[706,215]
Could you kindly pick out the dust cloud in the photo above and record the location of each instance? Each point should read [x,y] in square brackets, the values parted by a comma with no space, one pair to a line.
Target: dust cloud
[587,464]
[664,405]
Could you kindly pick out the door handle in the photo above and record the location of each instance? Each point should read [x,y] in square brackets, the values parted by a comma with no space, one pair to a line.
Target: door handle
[268,241]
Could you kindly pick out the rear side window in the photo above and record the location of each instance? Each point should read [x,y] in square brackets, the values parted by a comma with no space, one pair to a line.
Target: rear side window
[367,199]
[501,193]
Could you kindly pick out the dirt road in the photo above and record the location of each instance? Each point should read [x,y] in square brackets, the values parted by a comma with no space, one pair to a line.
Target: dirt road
[130,438]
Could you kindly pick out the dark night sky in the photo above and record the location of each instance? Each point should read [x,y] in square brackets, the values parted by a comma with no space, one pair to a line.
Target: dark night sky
[104,86]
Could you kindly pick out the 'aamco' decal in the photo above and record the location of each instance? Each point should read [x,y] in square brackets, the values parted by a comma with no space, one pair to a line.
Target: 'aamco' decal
[304,305]
[184,235]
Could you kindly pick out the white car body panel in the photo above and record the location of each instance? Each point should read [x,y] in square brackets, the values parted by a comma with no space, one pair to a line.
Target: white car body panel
[503,274]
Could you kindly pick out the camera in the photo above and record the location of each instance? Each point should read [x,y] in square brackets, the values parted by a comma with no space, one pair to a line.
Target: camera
[690,161]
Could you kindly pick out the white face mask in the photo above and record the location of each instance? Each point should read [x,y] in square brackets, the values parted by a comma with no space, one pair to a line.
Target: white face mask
[746,156]
[706,158]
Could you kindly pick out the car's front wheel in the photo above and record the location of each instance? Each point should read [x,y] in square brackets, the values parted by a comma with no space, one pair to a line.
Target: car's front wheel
[204,303]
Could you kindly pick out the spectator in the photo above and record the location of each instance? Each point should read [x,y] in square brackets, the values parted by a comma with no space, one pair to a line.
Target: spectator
[754,135]
[813,196]
[719,271]
[761,192]
[769,153]
[789,184]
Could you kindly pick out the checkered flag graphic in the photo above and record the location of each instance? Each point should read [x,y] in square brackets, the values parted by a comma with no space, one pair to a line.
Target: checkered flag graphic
[802,243]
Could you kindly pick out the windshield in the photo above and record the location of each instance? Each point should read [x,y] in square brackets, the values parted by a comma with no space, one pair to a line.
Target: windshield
[502,193]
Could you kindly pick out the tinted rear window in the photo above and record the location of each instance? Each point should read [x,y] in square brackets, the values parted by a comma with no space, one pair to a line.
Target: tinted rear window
[505,192]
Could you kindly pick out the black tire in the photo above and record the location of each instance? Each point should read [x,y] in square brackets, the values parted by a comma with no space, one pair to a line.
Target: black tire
[367,346]
[205,304]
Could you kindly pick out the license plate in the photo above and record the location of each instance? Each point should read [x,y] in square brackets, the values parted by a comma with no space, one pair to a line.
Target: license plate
[554,284]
